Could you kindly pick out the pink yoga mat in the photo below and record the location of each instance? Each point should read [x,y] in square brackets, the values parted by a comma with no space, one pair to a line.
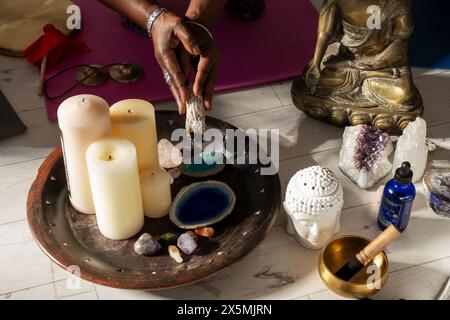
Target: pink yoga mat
[273,48]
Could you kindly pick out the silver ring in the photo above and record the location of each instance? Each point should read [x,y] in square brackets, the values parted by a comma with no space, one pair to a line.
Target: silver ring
[167,77]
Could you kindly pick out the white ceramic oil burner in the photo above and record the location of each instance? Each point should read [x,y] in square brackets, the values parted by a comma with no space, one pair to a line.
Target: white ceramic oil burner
[313,203]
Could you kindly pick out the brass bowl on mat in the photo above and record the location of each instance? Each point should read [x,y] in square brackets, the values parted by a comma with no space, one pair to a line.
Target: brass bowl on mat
[337,253]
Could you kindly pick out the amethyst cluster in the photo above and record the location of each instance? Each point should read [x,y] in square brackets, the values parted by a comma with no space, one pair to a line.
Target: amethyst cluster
[364,155]
[370,144]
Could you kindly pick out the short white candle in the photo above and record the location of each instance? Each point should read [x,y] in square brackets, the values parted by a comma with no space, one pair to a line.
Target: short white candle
[134,120]
[82,119]
[114,177]
[156,195]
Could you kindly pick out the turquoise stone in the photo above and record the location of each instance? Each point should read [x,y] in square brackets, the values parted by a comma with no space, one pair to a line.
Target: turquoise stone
[204,165]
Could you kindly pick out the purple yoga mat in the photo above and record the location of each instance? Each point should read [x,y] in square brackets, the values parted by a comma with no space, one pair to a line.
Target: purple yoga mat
[273,48]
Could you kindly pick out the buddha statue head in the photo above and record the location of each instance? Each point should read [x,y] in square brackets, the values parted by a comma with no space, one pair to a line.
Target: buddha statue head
[313,203]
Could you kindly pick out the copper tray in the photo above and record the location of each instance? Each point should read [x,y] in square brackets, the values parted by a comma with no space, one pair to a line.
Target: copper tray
[72,239]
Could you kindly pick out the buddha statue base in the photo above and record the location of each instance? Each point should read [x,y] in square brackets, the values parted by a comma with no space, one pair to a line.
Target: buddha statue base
[342,114]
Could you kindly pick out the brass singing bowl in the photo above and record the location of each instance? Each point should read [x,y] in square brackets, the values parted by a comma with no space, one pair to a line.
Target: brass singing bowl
[337,253]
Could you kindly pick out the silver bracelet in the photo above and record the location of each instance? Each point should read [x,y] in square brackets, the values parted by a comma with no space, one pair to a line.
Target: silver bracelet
[151,19]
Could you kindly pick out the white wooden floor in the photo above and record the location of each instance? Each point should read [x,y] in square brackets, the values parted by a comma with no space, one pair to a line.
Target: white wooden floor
[279,268]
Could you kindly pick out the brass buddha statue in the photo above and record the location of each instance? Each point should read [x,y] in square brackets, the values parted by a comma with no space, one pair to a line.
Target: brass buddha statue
[360,72]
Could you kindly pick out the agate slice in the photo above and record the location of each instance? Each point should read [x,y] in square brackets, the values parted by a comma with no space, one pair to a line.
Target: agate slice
[202,204]
[364,155]
[437,191]
[204,165]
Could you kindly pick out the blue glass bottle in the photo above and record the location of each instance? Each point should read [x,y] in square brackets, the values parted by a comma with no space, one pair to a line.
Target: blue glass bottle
[398,196]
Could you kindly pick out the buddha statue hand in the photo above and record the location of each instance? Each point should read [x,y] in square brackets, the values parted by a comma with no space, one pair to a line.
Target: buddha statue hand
[370,63]
[312,77]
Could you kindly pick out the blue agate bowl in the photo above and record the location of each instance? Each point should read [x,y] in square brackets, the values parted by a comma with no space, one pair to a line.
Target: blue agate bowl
[202,204]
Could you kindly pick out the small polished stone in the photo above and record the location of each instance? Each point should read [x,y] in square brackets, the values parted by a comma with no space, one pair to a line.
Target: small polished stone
[175,254]
[187,242]
[146,245]
[206,232]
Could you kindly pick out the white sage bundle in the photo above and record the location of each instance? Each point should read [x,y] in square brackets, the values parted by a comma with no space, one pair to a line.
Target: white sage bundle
[195,115]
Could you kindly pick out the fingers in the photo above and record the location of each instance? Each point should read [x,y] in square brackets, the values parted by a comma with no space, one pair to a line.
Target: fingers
[187,39]
[181,105]
[184,59]
[209,88]
[178,80]
[205,78]
[203,70]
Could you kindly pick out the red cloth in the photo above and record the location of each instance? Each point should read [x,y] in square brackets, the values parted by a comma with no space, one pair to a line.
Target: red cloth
[55,45]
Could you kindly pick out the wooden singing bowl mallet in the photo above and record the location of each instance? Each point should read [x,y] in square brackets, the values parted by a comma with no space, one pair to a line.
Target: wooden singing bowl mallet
[365,256]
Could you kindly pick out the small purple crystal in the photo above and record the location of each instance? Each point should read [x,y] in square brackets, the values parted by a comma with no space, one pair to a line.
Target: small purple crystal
[370,143]
[146,245]
[187,242]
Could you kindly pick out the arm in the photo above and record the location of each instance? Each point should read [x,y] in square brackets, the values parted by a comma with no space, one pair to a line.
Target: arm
[137,10]
[396,52]
[327,25]
[205,11]
[168,32]
[207,68]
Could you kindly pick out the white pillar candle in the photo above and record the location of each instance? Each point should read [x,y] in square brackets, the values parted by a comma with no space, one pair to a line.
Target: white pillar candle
[156,195]
[114,176]
[82,119]
[134,119]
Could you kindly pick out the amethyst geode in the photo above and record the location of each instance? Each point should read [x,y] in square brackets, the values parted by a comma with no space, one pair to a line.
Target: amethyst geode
[364,155]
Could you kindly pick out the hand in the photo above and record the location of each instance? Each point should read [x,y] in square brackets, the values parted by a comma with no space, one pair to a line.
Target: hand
[370,62]
[313,77]
[169,32]
[206,66]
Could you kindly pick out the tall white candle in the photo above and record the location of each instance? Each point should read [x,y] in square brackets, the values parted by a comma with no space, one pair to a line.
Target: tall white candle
[134,119]
[82,119]
[113,172]
[156,195]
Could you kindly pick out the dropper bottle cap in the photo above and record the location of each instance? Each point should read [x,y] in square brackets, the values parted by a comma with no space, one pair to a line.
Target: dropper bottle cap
[404,174]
